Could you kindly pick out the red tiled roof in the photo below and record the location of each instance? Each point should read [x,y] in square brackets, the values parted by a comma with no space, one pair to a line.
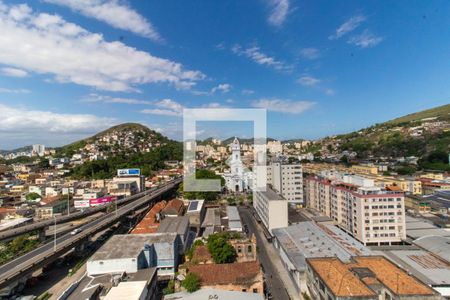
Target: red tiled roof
[235,273]
[174,205]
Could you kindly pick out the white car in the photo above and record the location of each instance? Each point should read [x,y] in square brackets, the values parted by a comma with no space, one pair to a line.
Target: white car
[75,231]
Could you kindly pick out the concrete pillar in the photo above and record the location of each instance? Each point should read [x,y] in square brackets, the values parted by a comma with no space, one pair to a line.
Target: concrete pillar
[41,234]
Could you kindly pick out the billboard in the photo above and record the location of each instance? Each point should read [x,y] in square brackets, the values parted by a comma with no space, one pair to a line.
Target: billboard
[102,200]
[128,172]
[81,203]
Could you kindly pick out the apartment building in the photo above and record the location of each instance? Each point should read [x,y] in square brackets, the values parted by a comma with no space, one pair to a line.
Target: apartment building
[287,180]
[271,208]
[373,215]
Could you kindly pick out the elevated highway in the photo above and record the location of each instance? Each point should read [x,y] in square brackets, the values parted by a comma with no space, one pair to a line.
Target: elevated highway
[39,257]
[7,235]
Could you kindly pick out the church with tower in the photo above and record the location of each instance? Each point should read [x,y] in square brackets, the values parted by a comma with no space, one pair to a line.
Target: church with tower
[239,178]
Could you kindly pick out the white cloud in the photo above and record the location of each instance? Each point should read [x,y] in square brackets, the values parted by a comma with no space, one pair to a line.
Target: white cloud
[247,92]
[169,107]
[255,54]
[108,99]
[279,12]
[308,81]
[113,12]
[13,72]
[223,87]
[310,53]
[14,91]
[283,106]
[21,126]
[73,54]
[347,27]
[365,40]
[165,107]
[330,92]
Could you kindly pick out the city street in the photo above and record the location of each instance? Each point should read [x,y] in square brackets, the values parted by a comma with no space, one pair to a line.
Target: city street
[274,280]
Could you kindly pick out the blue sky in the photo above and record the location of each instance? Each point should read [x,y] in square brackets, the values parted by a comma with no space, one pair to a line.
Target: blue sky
[69,68]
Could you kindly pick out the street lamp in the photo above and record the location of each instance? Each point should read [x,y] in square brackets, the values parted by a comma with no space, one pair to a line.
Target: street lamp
[68,203]
[54,231]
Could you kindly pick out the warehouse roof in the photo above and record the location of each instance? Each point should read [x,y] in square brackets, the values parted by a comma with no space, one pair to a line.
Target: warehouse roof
[307,239]
[438,245]
[130,245]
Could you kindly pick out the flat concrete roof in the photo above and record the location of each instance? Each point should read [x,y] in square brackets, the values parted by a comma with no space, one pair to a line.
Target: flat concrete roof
[271,195]
[131,290]
[174,224]
[130,245]
[208,292]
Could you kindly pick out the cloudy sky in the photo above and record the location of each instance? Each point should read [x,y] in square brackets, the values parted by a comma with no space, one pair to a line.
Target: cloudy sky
[69,68]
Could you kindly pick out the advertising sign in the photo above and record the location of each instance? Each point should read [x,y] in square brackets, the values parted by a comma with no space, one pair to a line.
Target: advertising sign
[102,200]
[81,203]
[128,172]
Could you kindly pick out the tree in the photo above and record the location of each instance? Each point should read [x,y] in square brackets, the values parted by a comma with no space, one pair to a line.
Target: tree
[191,283]
[32,196]
[222,252]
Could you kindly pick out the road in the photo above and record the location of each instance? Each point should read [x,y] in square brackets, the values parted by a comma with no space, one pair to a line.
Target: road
[32,260]
[274,282]
[11,233]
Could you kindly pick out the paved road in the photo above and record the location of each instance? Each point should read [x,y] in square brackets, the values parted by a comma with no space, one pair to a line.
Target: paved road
[30,260]
[273,279]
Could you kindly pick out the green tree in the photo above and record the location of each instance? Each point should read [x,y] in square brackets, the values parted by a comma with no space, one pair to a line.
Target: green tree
[32,196]
[222,252]
[191,283]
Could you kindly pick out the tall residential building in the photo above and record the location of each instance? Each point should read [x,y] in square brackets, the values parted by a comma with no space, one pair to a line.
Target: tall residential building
[38,150]
[271,208]
[287,180]
[373,215]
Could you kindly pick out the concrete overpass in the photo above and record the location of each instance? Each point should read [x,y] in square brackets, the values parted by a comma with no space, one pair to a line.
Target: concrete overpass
[8,235]
[39,257]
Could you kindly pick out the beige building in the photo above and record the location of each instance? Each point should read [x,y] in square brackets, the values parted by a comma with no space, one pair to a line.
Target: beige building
[364,169]
[373,215]
[271,208]
[287,180]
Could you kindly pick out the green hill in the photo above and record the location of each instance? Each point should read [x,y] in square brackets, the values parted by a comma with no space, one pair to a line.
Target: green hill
[424,134]
[440,112]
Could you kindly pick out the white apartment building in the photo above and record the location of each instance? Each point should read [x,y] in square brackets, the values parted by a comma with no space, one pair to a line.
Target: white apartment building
[38,149]
[272,208]
[373,215]
[287,180]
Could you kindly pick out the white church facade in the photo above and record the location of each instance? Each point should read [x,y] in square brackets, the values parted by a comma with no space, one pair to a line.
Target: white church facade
[239,178]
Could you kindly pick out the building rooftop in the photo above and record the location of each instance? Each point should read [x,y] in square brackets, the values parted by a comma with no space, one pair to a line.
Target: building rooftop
[307,239]
[271,195]
[212,217]
[178,225]
[173,207]
[195,206]
[126,290]
[363,276]
[430,269]
[225,274]
[417,228]
[214,294]
[130,245]
[438,245]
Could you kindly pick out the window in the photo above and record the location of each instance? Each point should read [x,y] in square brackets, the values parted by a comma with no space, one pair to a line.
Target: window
[255,290]
[249,248]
